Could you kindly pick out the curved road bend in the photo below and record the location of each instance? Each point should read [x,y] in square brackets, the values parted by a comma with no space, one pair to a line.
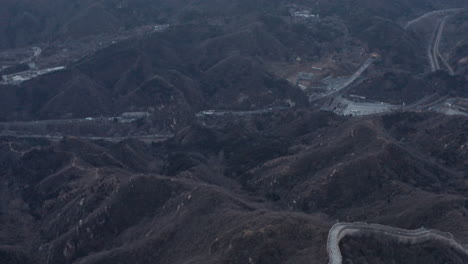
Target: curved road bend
[433,50]
[436,47]
[341,230]
[433,13]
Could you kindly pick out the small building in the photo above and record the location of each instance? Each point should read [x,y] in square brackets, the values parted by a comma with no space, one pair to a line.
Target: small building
[307,14]
[305,76]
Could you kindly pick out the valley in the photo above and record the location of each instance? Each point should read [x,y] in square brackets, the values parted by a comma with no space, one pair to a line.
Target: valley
[233,131]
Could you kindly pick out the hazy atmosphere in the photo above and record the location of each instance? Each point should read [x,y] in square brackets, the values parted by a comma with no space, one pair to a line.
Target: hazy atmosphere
[233,131]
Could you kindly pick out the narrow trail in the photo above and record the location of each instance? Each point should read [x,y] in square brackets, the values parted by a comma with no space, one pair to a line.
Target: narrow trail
[19,152]
[416,154]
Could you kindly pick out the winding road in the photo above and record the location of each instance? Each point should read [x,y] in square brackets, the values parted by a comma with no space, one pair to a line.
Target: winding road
[437,51]
[433,49]
[433,13]
[341,230]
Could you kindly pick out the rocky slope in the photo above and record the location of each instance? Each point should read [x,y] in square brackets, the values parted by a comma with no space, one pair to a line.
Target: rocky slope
[225,187]
[264,190]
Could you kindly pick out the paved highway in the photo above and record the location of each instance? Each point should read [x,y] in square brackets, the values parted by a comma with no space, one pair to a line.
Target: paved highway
[451,106]
[240,113]
[54,121]
[357,74]
[434,52]
[437,53]
[341,230]
[433,62]
[145,138]
[10,129]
